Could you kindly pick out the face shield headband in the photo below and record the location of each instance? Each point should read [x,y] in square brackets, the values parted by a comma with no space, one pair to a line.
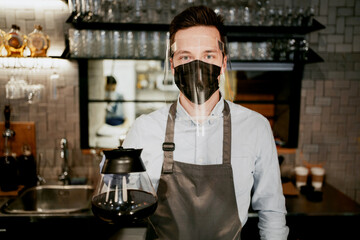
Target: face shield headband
[201,41]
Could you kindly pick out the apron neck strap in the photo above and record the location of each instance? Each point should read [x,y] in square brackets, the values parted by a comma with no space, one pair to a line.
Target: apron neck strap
[169,145]
[226,134]
[169,141]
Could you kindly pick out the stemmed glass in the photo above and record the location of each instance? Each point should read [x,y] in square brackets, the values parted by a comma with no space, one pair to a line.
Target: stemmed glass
[261,9]
[140,10]
[128,6]
[34,92]
[173,8]
[309,16]
[96,12]
[231,11]
[158,10]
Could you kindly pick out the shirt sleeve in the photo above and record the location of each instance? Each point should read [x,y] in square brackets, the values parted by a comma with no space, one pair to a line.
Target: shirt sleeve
[132,139]
[268,198]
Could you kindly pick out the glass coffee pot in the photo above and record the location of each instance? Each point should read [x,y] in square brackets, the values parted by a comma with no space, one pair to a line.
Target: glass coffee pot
[124,193]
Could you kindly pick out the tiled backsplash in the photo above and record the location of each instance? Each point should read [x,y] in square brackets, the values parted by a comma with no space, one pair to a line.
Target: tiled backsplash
[54,118]
[330,104]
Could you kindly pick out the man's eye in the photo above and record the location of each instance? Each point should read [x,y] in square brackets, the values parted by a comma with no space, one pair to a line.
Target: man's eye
[209,56]
[185,58]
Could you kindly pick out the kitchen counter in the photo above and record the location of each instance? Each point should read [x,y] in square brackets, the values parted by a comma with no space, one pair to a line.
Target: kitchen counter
[335,216]
[82,225]
[75,225]
[333,203]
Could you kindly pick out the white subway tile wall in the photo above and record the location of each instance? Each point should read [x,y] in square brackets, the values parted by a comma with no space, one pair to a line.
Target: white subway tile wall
[330,108]
[330,97]
[54,118]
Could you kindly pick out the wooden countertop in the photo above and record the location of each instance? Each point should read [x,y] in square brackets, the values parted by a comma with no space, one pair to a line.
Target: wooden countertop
[333,203]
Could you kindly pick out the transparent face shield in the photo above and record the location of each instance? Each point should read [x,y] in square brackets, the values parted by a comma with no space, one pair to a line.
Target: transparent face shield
[197,66]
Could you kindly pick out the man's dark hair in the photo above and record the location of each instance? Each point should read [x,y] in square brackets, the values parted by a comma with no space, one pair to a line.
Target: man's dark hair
[110,80]
[197,16]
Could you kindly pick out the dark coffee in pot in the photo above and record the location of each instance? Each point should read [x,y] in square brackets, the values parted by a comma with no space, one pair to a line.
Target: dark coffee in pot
[140,205]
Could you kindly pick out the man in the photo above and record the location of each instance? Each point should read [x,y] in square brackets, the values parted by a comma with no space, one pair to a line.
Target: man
[114,110]
[206,157]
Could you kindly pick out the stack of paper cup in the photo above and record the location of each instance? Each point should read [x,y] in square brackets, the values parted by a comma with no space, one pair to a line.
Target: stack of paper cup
[317,177]
[301,174]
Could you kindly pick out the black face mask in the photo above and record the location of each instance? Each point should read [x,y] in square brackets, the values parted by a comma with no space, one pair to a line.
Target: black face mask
[197,80]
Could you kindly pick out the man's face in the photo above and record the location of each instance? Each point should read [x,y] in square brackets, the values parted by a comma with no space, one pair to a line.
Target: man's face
[110,87]
[198,43]
[197,61]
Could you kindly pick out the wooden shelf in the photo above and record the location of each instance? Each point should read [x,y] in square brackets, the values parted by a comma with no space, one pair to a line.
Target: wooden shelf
[233,31]
[282,150]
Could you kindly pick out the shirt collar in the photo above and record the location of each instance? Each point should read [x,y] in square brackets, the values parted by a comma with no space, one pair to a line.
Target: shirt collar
[183,115]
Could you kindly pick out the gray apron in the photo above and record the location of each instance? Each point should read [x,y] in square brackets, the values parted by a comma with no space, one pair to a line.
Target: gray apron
[195,202]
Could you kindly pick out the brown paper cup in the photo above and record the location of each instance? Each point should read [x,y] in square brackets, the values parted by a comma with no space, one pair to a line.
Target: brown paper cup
[317,177]
[301,175]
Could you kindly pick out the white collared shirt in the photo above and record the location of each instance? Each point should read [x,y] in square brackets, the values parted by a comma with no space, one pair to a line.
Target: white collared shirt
[254,158]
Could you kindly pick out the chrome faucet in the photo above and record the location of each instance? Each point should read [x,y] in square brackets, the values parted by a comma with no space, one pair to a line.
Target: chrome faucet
[65,174]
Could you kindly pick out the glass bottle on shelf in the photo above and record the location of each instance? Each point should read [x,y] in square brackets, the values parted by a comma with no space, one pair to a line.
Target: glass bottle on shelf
[38,42]
[309,16]
[15,42]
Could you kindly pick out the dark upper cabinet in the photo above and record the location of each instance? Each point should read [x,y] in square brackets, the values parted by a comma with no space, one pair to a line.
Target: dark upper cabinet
[283,43]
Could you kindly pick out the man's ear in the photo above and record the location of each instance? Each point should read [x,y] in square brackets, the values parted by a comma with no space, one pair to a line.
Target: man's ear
[224,65]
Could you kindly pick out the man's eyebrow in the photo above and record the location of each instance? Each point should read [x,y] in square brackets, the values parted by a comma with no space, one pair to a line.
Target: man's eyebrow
[184,51]
[206,50]
[211,50]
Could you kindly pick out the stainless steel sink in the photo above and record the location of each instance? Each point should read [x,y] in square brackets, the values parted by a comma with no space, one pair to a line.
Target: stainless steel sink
[51,199]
